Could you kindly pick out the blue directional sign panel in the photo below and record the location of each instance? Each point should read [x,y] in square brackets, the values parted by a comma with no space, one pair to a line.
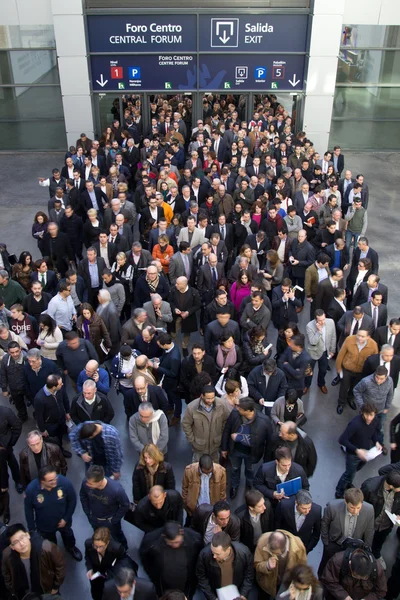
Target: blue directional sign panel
[253,33]
[251,72]
[144,72]
[142,33]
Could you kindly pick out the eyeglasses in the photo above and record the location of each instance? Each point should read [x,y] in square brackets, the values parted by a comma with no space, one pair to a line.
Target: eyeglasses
[16,543]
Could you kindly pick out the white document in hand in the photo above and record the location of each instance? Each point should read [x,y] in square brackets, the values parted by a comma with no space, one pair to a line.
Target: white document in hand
[373,453]
[393,518]
[229,592]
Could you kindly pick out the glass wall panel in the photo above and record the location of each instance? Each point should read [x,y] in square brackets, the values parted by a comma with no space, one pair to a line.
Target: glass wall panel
[28,66]
[369,102]
[24,36]
[370,36]
[369,66]
[365,135]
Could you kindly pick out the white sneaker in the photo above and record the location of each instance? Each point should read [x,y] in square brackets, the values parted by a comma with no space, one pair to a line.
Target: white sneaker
[382,561]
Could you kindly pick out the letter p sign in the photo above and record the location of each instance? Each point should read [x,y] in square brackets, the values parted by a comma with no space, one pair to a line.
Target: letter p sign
[260,73]
[134,73]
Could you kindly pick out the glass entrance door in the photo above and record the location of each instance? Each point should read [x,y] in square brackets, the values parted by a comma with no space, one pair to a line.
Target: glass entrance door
[111,106]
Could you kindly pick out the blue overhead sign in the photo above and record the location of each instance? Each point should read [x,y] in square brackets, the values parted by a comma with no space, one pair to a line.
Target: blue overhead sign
[253,33]
[142,33]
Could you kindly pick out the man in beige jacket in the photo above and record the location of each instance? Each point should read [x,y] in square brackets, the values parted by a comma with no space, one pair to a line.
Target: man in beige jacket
[276,553]
[203,424]
[203,482]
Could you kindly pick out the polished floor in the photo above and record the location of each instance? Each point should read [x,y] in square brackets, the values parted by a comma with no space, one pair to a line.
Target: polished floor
[21,197]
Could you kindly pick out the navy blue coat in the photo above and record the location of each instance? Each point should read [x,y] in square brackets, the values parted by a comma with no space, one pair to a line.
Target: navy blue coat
[294,368]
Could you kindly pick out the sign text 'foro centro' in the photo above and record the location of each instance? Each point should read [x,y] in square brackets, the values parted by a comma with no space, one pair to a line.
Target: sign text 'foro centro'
[138,34]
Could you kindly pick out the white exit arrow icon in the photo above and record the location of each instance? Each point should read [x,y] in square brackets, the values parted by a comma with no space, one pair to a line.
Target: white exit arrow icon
[222,25]
[103,83]
[294,82]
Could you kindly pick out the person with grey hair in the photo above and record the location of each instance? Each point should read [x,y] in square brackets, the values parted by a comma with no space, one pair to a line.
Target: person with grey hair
[108,312]
[11,291]
[125,585]
[149,426]
[36,370]
[158,311]
[139,259]
[300,516]
[134,326]
[38,454]
[91,405]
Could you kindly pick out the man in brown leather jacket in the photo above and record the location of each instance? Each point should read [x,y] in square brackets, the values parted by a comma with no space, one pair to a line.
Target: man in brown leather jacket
[38,454]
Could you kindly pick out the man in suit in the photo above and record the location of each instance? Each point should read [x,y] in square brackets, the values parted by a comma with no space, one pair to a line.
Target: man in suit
[376,310]
[259,242]
[301,198]
[143,392]
[300,516]
[152,211]
[351,322]
[191,234]
[219,248]
[121,242]
[225,231]
[106,250]
[162,229]
[169,368]
[315,274]
[181,263]
[93,197]
[389,335]
[338,160]
[338,255]
[56,245]
[337,307]
[125,584]
[386,358]
[218,146]
[91,269]
[339,523]
[47,278]
[325,162]
[301,256]
[281,243]
[366,289]
[294,362]
[207,277]
[271,473]
[321,346]
[363,250]
[285,305]
[326,288]
[345,182]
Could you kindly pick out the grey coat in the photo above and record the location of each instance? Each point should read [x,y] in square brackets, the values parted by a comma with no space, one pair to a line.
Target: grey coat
[166,314]
[315,340]
[278,409]
[140,433]
[250,317]
[367,391]
[333,523]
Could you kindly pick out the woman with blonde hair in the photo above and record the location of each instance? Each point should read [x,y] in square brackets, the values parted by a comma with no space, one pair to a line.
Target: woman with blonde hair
[151,470]
[123,272]
[92,228]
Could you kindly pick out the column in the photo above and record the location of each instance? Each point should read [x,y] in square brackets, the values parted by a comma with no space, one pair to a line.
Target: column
[69,30]
[325,37]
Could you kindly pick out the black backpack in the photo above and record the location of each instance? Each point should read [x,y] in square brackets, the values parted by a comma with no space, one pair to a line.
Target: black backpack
[351,546]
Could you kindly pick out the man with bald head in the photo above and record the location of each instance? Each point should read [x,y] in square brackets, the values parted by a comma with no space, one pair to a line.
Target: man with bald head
[386,358]
[160,506]
[185,302]
[143,392]
[95,373]
[207,277]
[142,368]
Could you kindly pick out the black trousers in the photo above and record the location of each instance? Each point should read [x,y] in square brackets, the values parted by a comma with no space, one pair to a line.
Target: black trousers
[92,297]
[347,383]
[66,533]
[379,540]
[329,550]
[7,457]
[19,400]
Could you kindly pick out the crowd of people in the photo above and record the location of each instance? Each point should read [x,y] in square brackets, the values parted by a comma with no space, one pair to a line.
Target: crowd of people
[170,260]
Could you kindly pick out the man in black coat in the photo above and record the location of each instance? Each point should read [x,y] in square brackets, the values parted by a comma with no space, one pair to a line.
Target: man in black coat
[37,301]
[197,362]
[362,246]
[389,335]
[245,435]
[255,505]
[225,230]
[169,556]
[223,323]
[294,362]
[209,572]
[92,285]
[301,256]
[267,477]
[72,225]
[143,392]
[93,197]
[298,442]
[57,246]
[91,405]
[366,289]
[354,319]
[157,508]
[207,277]
[219,515]
[185,302]
[284,304]
[337,308]
[10,430]
[220,300]
[325,289]
[258,242]
[52,411]
[388,359]
[47,278]
[300,516]
[379,491]
[260,388]
[125,584]
[376,310]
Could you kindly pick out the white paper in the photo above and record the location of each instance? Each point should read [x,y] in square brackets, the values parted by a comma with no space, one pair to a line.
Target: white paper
[393,518]
[373,453]
[229,592]
[95,576]
[268,404]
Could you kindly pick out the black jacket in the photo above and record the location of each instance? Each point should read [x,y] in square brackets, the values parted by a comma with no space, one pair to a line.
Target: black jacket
[210,312]
[209,573]
[213,332]
[147,518]
[266,479]
[144,590]
[362,293]
[373,362]
[306,455]
[309,532]
[295,367]
[283,312]
[305,254]
[51,283]
[260,432]
[164,476]
[335,311]
[277,384]
[50,410]
[203,513]
[85,274]
[102,409]
[246,528]
[114,552]
[189,372]
[59,250]
[372,488]
[10,427]
[155,395]
[156,556]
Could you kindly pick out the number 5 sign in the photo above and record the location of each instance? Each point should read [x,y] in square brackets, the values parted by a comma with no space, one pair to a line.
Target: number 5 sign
[278,72]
